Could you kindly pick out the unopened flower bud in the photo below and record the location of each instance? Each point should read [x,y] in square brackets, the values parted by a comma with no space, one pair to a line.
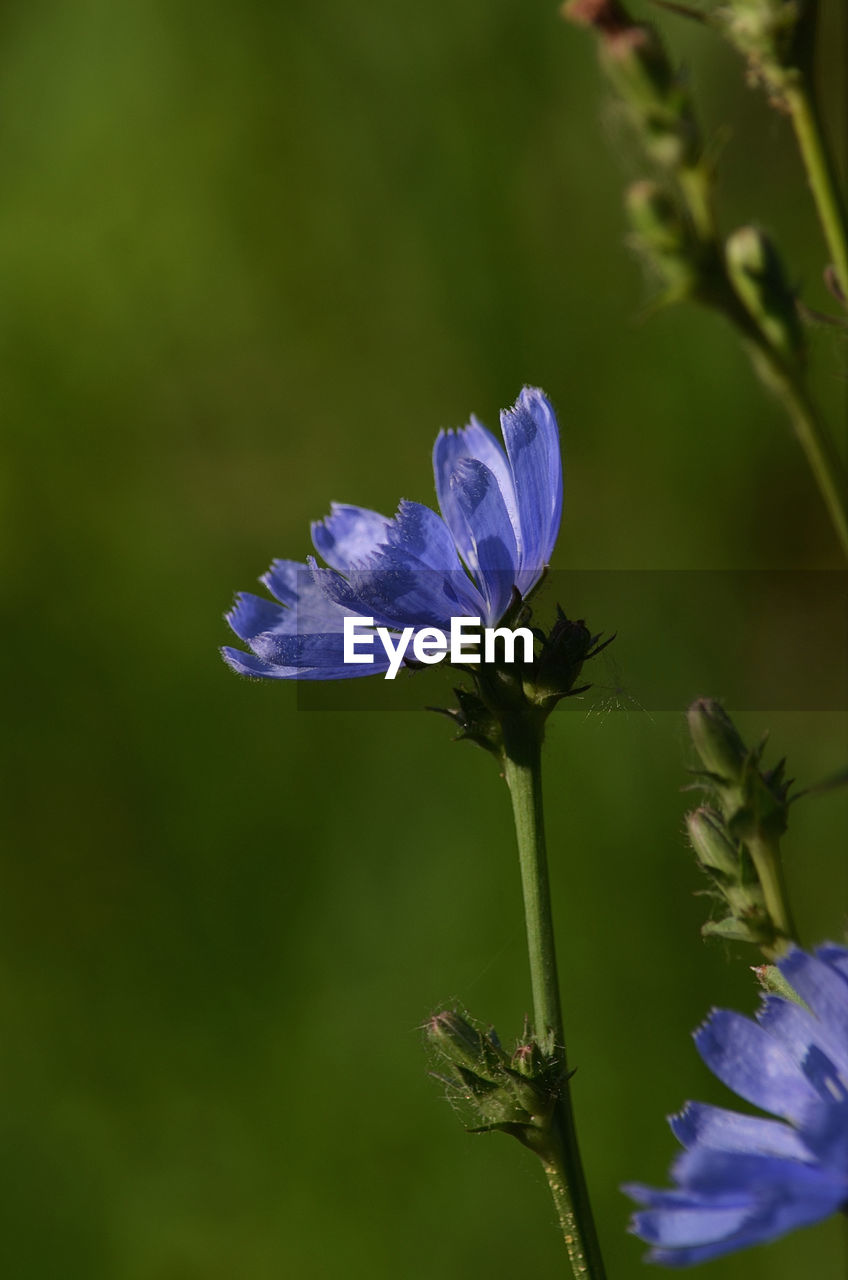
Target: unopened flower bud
[565,649]
[528,1060]
[460,1043]
[729,867]
[760,283]
[715,851]
[636,62]
[763,31]
[515,1095]
[717,741]
[634,58]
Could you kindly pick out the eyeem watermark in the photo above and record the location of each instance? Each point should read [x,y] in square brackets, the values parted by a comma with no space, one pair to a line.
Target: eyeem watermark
[432,644]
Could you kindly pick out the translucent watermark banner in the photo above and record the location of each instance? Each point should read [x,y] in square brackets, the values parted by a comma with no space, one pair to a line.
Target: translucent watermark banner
[765,640]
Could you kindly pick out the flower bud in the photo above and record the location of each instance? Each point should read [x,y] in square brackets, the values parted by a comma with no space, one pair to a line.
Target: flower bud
[716,740]
[757,274]
[515,1095]
[566,647]
[456,1038]
[534,1082]
[737,841]
[528,1059]
[753,803]
[634,58]
[734,880]
[763,31]
[713,847]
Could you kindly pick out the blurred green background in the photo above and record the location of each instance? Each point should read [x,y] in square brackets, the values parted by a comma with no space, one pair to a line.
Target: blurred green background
[253,257]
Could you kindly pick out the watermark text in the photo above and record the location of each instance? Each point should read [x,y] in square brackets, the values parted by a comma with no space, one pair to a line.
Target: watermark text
[462,646]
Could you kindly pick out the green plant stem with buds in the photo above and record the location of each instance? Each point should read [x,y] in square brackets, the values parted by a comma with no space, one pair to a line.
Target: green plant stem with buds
[797,97]
[561,1155]
[821,176]
[745,283]
[783,378]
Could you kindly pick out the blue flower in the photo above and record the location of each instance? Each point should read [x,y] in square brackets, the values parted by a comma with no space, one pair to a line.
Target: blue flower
[743,1179]
[500,518]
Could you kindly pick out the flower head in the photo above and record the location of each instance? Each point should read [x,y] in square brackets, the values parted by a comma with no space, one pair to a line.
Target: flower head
[744,1179]
[500,515]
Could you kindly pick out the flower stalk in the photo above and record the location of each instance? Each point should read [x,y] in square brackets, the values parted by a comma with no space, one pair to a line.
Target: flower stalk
[523,773]
[762,311]
[778,38]
[822,457]
[528,1095]
[559,1150]
[761,318]
[765,855]
[674,220]
[821,177]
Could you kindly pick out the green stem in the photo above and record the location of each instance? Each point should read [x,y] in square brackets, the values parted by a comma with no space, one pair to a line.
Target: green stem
[824,461]
[561,1158]
[523,772]
[821,176]
[765,853]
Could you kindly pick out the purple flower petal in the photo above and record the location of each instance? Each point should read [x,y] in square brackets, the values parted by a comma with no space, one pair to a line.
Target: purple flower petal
[252,614]
[321,651]
[396,592]
[348,534]
[836,957]
[309,609]
[417,539]
[248,664]
[823,989]
[532,443]
[690,1224]
[702,1125]
[285,579]
[797,1030]
[754,1065]
[492,540]
[476,442]
[744,1180]
[756,1199]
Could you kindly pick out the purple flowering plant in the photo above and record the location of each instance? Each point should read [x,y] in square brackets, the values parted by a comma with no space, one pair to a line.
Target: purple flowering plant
[742,1179]
[500,514]
[481,558]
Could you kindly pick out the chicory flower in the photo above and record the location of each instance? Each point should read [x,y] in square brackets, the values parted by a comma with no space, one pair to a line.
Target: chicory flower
[743,1179]
[500,515]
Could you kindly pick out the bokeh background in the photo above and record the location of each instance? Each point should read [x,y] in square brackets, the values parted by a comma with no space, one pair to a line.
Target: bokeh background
[253,257]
